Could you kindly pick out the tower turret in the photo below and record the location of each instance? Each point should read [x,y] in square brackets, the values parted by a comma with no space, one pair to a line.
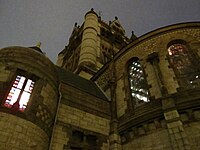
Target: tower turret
[28,98]
[88,52]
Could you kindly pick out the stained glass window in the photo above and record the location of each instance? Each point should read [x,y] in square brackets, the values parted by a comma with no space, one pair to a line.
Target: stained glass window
[138,84]
[20,92]
[183,61]
[180,58]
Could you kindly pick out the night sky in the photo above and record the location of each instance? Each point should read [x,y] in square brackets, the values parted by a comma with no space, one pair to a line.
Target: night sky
[26,22]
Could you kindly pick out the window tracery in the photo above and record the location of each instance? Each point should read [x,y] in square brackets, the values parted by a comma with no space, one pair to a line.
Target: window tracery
[19,93]
[184,63]
[138,84]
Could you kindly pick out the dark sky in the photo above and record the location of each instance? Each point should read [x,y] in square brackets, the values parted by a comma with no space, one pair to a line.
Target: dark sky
[26,22]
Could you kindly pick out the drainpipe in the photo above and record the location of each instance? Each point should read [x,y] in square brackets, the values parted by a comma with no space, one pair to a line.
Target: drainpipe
[54,124]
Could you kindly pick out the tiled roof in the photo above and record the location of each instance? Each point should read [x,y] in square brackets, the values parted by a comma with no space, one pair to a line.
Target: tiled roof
[80,83]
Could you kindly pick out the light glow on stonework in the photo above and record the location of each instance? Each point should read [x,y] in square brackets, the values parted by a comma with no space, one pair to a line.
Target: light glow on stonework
[21,91]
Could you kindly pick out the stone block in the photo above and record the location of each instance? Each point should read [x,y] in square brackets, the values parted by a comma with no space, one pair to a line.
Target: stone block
[197,115]
[131,134]
[141,131]
[184,117]
[18,128]
[180,143]
[163,124]
[171,115]
[185,141]
[105,146]
[175,130]
[177,135]
[168,103]
[152,126]
[3,139]
[170,131]
[174,124]
[3,76]
[183,134]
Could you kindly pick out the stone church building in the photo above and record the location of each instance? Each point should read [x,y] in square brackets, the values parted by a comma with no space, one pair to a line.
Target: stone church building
[106,91]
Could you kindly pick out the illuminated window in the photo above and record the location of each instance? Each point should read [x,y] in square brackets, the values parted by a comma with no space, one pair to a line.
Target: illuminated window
[138,84]
[20,93]
[184,63]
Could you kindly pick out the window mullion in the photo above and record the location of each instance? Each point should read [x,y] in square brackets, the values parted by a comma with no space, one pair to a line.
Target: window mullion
[22,90]
[16,106]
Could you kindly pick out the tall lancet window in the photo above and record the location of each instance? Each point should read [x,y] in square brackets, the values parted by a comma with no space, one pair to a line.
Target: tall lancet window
[19,93]
[184,63]
[138,83]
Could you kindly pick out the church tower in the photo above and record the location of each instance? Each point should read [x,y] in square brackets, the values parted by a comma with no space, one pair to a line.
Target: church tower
[92,45]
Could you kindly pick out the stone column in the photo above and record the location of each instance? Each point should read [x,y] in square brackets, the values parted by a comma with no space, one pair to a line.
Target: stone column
[154,60]
[114,138]
[178,137]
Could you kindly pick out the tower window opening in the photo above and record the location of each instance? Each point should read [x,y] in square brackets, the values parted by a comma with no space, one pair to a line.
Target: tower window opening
[19,93]
[138,84]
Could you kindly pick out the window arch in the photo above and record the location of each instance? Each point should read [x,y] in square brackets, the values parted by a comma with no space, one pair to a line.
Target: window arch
[138,83]
[184,63]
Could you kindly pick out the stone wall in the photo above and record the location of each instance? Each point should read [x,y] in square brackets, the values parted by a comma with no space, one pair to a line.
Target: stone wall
[191,121]
[82,119]
[19,134]
[83,114]
[157,140]
[70,118]
[121,104]
[4,74]
[193,132]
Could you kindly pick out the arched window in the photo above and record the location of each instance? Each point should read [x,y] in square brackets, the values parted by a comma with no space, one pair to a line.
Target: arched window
[138,83]
[184,63]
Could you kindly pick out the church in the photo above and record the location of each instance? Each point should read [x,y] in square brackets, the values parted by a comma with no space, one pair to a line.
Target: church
[106,91]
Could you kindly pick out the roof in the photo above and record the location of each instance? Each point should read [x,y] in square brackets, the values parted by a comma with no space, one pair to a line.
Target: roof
[80,83]
[36,49]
